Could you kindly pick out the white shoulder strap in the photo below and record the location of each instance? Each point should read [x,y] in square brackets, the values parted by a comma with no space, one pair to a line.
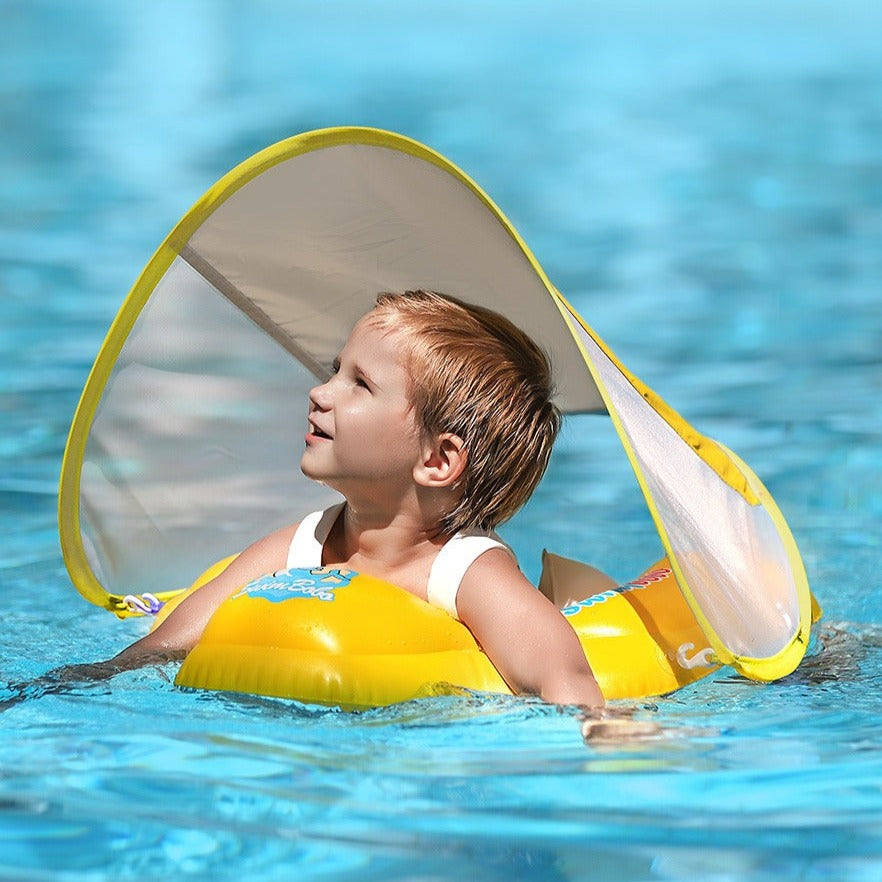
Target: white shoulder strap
[305,550]
[451,564]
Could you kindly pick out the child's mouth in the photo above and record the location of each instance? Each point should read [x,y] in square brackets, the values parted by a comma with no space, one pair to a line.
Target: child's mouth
[317,432]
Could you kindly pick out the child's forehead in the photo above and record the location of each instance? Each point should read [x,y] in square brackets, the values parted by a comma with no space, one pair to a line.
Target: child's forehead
[377,326]
[372,336]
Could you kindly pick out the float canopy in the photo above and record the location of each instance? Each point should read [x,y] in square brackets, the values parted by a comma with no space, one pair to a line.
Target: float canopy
[182,446]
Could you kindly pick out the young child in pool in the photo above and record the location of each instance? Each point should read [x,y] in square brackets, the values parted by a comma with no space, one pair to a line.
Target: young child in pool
[435,426]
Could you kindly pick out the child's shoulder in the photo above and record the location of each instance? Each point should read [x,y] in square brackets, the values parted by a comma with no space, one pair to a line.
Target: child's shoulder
[493,577]
[456,563]
[271,552]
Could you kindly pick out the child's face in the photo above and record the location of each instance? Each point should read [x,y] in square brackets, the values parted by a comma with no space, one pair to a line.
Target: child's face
[362,429]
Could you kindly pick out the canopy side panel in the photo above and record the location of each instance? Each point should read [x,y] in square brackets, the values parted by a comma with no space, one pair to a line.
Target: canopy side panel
[193,450]
[733,554]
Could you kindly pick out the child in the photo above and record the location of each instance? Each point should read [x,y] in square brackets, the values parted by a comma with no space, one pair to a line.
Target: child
[435,426]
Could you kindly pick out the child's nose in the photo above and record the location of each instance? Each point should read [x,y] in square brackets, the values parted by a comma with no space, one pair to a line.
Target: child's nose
[320,396]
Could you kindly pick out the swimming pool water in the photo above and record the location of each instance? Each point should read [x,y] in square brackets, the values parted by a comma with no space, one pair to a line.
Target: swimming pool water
[707,188]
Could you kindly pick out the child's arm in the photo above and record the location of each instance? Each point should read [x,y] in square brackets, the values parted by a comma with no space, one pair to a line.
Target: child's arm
[525,636]
[178,634]
[183,627]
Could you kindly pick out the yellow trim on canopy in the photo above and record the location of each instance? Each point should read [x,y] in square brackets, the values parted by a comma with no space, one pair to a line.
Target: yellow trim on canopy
[809,611]
[319,140]
[69,526]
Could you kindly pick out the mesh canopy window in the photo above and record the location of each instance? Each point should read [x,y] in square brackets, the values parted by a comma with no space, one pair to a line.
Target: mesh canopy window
[195,446]
[736,565]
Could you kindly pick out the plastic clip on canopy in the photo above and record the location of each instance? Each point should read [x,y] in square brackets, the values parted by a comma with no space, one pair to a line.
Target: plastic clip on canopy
[183,445]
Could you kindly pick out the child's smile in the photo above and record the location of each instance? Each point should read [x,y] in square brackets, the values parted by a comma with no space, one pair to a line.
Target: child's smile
[315,432]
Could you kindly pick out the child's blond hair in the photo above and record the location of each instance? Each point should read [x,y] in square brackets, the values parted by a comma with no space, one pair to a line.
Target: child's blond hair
[476,375]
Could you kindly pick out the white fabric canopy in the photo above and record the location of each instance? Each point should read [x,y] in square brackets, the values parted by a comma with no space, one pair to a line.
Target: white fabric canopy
[185,443]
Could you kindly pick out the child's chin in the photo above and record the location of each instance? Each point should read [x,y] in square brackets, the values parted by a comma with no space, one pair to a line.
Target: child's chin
[310,471]
[308,468]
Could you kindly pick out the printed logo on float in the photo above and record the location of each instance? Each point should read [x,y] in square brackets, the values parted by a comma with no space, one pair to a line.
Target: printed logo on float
[644,581]
[318,584]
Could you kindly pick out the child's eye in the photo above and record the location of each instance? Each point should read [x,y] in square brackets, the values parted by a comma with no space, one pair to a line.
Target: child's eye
[359,381]
[335,366]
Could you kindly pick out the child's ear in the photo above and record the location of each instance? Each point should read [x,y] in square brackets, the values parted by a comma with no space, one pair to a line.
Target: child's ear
[443,461]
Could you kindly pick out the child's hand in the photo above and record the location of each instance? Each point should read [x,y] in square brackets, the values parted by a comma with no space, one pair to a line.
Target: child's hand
[69,677]
[616,726]
[58,681]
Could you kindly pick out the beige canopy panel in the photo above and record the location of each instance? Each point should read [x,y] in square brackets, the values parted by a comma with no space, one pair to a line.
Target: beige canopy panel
[185,443]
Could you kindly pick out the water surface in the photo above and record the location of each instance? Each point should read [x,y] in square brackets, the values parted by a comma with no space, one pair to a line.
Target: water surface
[706,187]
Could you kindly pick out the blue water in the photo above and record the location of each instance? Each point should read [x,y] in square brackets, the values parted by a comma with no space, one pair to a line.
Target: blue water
[704,181]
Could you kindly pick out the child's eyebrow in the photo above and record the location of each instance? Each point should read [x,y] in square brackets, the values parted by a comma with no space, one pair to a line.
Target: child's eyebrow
[362,374]
[357,370]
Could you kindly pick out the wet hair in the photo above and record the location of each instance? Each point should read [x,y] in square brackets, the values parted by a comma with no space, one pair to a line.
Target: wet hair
[475,374]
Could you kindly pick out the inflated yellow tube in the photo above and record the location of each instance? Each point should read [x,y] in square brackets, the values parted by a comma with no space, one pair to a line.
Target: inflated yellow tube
[335,637]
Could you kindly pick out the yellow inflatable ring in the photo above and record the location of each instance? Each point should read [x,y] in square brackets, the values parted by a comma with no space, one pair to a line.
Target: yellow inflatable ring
[335,637]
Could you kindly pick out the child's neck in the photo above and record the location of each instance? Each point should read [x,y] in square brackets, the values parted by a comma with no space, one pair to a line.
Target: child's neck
[398,547]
